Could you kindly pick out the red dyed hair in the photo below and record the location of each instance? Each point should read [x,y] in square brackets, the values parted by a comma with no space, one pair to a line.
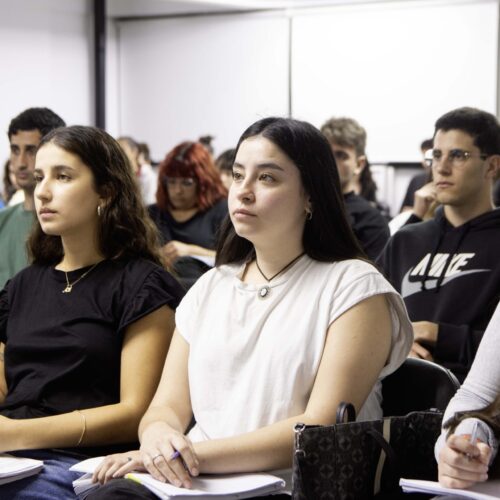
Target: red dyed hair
[191,159]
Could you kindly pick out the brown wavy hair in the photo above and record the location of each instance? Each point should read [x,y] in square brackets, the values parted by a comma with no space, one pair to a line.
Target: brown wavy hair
[191,159]
[125,229]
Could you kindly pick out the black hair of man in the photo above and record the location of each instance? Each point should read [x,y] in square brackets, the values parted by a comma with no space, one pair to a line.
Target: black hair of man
[482,126]
[42,119]
[225,160]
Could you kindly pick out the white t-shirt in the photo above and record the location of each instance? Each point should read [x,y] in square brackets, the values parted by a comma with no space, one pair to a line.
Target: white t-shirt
[253,360]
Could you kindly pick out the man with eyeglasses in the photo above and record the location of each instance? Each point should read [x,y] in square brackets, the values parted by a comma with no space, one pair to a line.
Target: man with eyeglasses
[448,268]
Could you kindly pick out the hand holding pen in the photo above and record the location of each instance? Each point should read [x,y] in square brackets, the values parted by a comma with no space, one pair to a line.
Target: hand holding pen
[464,460]
[168,455]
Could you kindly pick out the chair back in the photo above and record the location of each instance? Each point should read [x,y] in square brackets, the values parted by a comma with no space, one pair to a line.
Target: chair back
[417,385]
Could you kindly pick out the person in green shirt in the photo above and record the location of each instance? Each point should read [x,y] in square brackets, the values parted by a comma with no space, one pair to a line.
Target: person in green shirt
[25,133]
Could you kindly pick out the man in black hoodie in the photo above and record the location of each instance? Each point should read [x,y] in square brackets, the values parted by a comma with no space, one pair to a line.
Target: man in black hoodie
[448,269]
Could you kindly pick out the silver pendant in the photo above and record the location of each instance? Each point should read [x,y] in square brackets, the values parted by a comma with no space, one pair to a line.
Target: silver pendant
[264,292]
[67,289]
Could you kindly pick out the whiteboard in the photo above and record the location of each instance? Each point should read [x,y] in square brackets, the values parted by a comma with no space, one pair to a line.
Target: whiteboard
[186,77]
[395,67]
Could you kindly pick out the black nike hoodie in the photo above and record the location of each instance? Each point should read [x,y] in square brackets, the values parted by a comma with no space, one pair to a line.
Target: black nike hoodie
[450,276]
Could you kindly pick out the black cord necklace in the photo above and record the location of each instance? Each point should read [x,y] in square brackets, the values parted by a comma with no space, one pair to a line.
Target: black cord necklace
[264,291]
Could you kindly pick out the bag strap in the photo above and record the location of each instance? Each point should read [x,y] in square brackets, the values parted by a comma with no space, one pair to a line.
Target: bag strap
[386,451]
[342,409]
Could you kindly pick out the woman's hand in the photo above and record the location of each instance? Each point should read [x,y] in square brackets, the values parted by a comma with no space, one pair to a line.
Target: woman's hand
[462,463]
[175,249]
[168,455]
[118,465]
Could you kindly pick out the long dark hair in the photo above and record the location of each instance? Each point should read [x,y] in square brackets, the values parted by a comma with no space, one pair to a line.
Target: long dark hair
[327,236]
[125,229]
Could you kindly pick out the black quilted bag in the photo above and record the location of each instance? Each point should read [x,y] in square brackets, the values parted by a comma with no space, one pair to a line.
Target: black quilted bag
[363,460]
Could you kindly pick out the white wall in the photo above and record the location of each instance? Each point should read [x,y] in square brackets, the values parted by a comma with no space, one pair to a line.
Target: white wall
[183,78]
[46,60]
[395,67]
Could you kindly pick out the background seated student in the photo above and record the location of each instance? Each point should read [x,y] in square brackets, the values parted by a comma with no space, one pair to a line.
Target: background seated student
[144,173]
[224,163]
[418,180]
[291,322]
[481,389]
[447,268]
[88,324]
[347,139]
[191,205]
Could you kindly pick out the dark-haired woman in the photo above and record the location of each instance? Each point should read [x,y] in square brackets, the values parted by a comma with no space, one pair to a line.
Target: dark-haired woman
[87,326]
[191,205]
[291,322]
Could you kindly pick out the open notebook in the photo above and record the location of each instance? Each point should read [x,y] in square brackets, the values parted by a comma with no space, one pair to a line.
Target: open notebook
[14,468]
[490,490]
[215,487]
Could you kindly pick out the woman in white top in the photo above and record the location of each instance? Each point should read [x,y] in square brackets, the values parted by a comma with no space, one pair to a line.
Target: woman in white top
[291,322]
[462,463]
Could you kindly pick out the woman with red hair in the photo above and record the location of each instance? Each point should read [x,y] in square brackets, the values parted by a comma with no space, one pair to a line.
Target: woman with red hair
[190,206]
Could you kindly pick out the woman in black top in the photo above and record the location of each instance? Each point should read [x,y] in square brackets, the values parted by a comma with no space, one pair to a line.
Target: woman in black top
[87,325]
[191,205]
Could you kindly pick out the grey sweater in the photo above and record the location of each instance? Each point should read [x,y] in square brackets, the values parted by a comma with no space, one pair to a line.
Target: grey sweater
[480,388]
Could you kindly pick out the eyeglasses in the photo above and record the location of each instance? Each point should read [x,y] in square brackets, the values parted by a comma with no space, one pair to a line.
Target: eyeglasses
[454,156]
[186,182]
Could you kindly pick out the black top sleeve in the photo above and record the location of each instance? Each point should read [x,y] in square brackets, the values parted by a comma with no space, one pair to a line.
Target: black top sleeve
[63,350]
[4,313]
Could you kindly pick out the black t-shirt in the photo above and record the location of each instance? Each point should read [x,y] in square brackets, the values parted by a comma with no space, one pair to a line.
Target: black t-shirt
[368,224]
[201,229]
[63,349]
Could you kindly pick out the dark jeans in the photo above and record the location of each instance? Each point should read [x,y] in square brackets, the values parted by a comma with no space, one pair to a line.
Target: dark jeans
[54,481]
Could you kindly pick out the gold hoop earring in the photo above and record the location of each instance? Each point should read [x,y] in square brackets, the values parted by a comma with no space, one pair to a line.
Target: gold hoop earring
[99,210]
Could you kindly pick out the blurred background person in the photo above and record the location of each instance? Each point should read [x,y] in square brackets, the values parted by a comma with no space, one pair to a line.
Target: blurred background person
[206,141]
[347,139]
[190,207]
[146,176]
[419,180]
[224,163]
[11,194]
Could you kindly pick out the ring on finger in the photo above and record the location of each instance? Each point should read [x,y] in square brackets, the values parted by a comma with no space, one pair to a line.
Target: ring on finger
[155,457]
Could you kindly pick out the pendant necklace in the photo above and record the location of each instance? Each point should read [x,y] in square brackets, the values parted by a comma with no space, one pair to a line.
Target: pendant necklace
[265,290]
[69,286]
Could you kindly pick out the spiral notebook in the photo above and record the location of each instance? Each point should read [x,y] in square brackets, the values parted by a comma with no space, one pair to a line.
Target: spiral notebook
[15,468]
[214,487]
[489,490]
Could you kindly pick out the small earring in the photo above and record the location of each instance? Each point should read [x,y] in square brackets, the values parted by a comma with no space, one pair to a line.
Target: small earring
[309,214]
[99,210]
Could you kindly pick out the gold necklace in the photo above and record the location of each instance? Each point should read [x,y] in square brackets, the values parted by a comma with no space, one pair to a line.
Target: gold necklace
[265,290]
[69,286]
